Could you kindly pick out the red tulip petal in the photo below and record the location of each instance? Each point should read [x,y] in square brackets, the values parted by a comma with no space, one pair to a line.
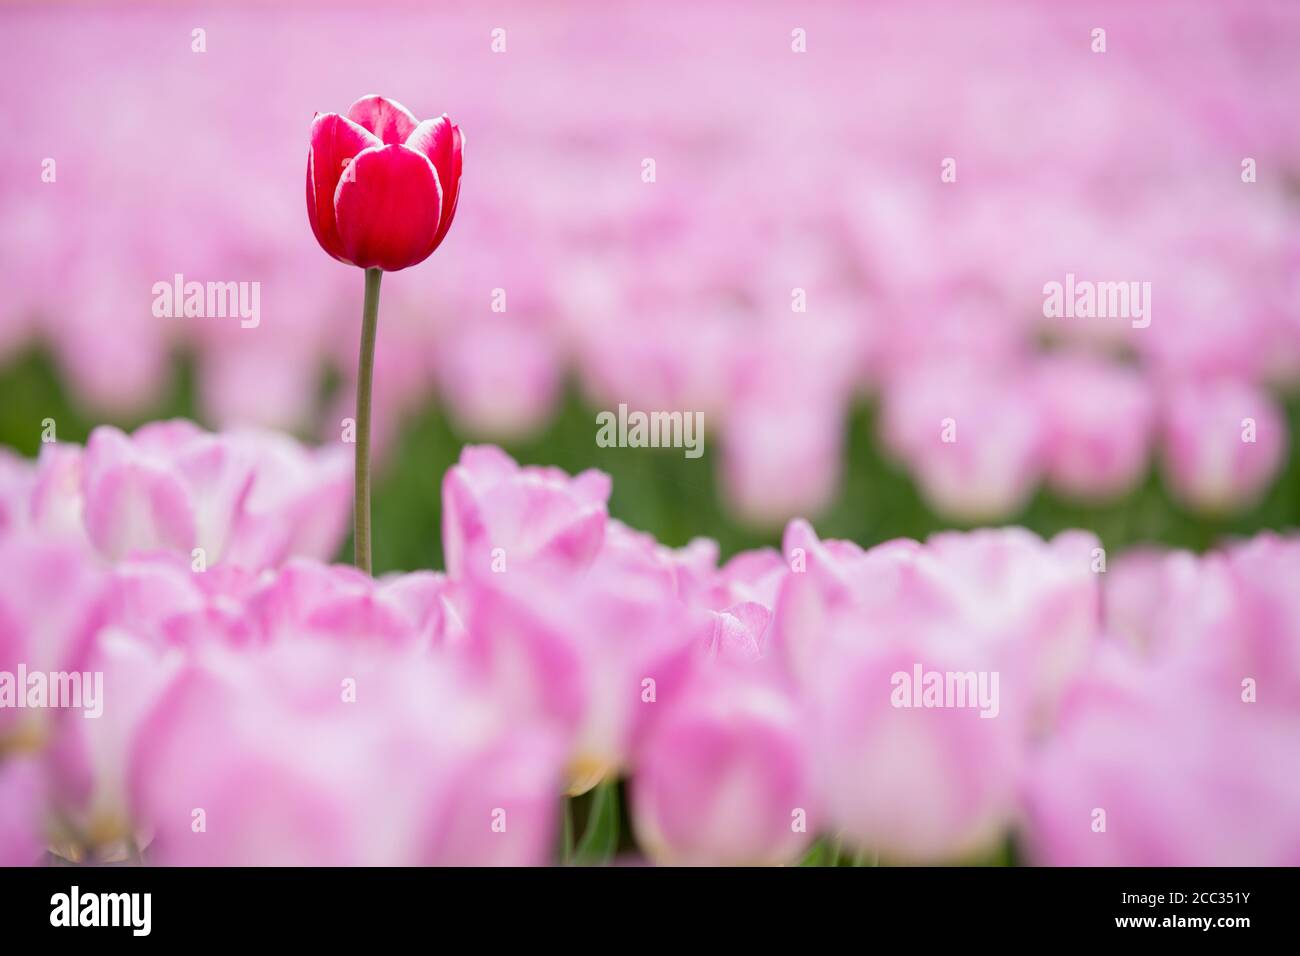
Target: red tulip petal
[388,119]
[440,139]
[388,211]
[335,140]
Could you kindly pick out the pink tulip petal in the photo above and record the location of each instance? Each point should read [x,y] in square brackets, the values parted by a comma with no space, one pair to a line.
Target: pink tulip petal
[388,210]
[335,141]
[387,119]
[442,142]
[133,502]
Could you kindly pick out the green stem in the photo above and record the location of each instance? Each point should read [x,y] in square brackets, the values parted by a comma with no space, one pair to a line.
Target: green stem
[365,378]
[566,848]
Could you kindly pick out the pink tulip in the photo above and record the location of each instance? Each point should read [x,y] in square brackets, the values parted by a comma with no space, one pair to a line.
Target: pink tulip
[638,555]
[736,633]
[21,792]
[917,784]
[974,438]
[56,503]
[316,754]
[1036,603]
[595,656]
[833,583]
[15,490]
[1153,766]
[1227,616]
[1224,441]
[1100,421]
[159,612]
[156,610]
[1161,603]
[499,515]
[913,784]
[253,498]
[382,187]
[297,503]
[416,611]
[163,601]
[750,576]
[1267,648]
[88,760]
[781,458]
[725,777]
[51,604]
[924,784]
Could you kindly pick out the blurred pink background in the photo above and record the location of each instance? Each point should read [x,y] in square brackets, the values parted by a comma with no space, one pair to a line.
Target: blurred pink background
[775,171]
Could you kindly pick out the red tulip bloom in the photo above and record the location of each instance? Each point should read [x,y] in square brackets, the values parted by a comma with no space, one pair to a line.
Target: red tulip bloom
[382,186]
[382,189]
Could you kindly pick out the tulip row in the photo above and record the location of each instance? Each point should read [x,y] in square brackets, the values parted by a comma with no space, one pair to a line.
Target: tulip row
[681,293]
[912,702]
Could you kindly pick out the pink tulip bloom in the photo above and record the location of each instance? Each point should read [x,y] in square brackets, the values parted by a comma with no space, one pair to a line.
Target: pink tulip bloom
[157,609]
[750,576]
[924,784]
[21,798]
[736,633]
[695,566]
[1267,648]
[163,601]
[594,656]
[781,458]
[1154,766]
[725,777]
[916,783]
[316,754]
[1100,421]
[832,585]
[1037,603]
[497,515]
[88,760]
[56,503]
[16,478]
[382,187]
[1223,443]
[1228,616]
[678,574]
[1136,592]
[249,497]
[160,612]
[51,604]
[973,438]
[168,486]
[297,505]
[417,611]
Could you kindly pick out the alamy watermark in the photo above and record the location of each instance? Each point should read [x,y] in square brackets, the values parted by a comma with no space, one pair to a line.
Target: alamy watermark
[927,689]
[77,690]
[636,429]
[208,300]
[1084,299]
[133,911]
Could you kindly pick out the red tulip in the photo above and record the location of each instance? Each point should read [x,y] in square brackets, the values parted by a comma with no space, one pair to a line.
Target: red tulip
[382,186]
[382,189]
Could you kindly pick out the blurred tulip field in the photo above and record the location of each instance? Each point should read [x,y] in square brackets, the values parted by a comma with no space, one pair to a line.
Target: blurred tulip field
[660,491]
[830,233]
